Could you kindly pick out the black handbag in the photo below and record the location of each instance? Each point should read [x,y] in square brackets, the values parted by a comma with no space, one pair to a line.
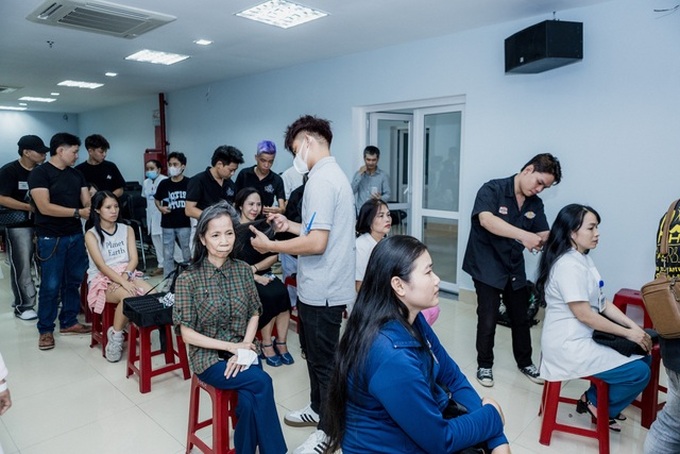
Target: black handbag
[147,310]
[9,217]
[621,344]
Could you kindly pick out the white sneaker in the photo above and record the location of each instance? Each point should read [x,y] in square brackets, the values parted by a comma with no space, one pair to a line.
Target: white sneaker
[317,443]
[28,314]
[302,418]
[114,346]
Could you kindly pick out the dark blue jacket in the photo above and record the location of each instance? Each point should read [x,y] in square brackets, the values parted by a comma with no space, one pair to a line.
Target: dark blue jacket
[393,407]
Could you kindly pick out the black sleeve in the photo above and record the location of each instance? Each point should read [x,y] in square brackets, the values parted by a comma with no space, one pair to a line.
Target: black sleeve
[118,180]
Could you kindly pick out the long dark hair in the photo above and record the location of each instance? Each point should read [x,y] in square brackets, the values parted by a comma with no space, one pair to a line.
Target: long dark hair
[215,211]
[241,197]
[367,213]
[569,220]
[376,305]
[96,204]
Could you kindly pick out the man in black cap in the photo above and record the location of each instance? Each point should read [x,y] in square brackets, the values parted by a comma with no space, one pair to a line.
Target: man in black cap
[17,220]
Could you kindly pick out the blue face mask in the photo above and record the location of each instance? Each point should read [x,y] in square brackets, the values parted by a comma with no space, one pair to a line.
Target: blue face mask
[152,174]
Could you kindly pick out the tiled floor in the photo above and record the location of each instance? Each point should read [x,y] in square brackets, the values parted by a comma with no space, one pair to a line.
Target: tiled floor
[70,400]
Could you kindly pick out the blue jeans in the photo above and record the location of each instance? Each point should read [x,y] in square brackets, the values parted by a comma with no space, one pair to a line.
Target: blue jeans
[182,236]
[625,383]
[63,261]
[258,421]
[20,250]
[322,334]
[664,435]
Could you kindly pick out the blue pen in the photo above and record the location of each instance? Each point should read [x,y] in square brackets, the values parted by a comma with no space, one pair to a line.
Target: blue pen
[309,226]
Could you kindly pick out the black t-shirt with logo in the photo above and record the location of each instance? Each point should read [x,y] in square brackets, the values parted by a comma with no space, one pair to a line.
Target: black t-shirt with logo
[14,184]
[173,195]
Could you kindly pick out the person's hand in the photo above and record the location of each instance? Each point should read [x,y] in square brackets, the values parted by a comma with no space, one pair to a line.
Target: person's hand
[640,337]
[243,346]
[376,196]
[531,241]
[84,213]
[164,210]
[260,243]
[129,287]
[279,222]
[490,401]
[232,368]
[263,280]
[362,170]
[5,401]
[272,210]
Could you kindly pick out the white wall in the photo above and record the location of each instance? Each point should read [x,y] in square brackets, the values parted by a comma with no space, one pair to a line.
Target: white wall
[14,125]
[611,118]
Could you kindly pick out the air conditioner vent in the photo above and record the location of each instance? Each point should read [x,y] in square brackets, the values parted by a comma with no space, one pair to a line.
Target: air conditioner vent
[4,89]
[99,17]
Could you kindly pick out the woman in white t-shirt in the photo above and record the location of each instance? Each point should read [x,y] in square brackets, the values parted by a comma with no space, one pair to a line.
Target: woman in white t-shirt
[112,274]
[576,305]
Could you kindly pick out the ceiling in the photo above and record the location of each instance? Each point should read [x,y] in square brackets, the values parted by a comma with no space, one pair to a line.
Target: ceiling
[241,47]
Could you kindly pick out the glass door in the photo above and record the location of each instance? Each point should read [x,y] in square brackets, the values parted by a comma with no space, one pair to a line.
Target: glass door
[436,181]
[391,133]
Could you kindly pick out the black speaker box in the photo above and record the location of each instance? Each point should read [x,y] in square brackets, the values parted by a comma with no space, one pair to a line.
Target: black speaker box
[544,46]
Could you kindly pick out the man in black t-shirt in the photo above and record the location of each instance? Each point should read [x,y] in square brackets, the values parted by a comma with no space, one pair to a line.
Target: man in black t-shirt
[507,217]
[14,196]
[214,183]
[61,199]
[170,198]
[268,184]
[103,174]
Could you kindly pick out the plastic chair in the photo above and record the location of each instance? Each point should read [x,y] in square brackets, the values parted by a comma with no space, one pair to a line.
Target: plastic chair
[223,409]
[648,403]
[174,358]
[100,326]
[550,401]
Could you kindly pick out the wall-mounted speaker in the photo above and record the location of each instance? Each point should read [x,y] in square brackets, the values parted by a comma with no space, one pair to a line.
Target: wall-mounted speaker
[544,46]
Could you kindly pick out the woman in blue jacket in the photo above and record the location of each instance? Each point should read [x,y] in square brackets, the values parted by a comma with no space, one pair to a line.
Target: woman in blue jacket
[394,386]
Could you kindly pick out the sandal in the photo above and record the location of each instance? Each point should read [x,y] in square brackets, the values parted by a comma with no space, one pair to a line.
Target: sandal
[274,361]
[583,405]
[286,358]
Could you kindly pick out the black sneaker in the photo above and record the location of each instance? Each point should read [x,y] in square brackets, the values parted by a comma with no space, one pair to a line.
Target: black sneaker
[531,372]
[485,376]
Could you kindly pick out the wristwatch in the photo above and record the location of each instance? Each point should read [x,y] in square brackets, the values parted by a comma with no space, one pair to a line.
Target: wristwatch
[76,213]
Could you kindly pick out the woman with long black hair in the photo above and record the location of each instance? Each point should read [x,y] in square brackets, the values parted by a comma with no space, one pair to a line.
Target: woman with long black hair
[394,386]
[576,305]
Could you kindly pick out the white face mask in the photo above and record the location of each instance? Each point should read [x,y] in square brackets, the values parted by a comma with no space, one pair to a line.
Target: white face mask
[174,171]
[299,162]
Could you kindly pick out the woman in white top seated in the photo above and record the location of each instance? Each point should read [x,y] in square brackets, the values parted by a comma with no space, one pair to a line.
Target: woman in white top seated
[112,274]
[576,305]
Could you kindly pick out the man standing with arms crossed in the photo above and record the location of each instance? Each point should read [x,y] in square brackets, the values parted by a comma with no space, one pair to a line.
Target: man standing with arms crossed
[325,279]
[507,218]
[61,198]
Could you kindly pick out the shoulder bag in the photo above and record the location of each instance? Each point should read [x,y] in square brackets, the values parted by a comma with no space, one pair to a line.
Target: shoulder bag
[662,295]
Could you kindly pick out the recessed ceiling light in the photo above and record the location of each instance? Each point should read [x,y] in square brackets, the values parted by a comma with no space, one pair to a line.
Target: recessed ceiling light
[281,13]
[80,84]
[54,93]
[110,74]
[203,42]
[23,104]
[157,57]
[36,99]
[12,108]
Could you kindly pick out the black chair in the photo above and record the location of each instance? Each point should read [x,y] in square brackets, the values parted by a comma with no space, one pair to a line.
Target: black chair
[133,213]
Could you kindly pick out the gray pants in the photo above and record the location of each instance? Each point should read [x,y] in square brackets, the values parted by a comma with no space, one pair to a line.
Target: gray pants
[20,251]
[664,435]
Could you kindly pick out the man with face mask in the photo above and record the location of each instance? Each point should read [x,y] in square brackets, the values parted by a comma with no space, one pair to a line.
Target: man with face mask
[170,199]
[14,196]
[325,249]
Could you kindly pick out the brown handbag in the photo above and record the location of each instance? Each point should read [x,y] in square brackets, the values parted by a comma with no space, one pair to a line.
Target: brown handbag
[662,295]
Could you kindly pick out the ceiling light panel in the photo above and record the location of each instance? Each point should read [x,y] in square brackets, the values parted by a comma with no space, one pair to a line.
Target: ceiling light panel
[36,99]
[80,84]
[12,108]
[157,57]
[203,42]
[281,13]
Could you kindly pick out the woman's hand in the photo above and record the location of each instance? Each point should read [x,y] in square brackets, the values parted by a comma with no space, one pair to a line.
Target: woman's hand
[5,401]
[241,345]
[129,287]
[640,337]
[490,401]
[263,280]
[232,368]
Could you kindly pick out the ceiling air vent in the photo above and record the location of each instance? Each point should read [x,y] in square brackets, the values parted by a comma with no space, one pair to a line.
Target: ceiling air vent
[4,89]
[99,17]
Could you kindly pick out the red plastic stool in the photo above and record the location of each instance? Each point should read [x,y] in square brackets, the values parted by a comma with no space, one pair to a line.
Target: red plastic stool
[174,358]
[223,408]
[648,403]
[291,281]
[100,326]
[84,306]
[550,401]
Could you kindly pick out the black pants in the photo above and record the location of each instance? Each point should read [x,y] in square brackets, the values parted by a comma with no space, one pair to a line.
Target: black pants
[516,303]
[322,334]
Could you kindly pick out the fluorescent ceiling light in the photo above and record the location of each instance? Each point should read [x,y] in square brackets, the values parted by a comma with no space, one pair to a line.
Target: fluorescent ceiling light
[157,57]
[12,108]
[23,104]
[110,74]
[203,42]
[36,99]
[281,13]
[80,84]
[54,93]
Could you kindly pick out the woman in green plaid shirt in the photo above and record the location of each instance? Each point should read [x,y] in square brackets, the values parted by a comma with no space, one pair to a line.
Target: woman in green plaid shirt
[217,309]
